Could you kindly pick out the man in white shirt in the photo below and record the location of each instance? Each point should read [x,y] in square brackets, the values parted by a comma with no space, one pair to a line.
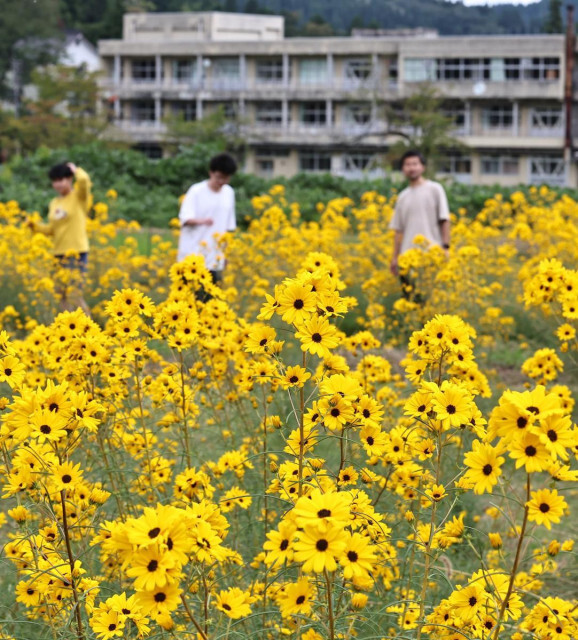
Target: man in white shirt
[207,212]
[421,209]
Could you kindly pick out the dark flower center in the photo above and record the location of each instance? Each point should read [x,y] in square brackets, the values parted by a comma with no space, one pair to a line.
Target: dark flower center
[324,513]
[321,545]
[66,478]
[284,544]
[530,451]
[544,508]
[487,470]
[352,556]
[316,337]
[451,409]
[160,597]
[153,565]
[153,533]
[300,600]
[299,304]
[473,601]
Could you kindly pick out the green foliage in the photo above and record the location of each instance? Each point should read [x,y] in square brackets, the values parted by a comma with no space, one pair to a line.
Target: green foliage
[64,114]
[554,21]
[24,28]
[424,126]
[149,189]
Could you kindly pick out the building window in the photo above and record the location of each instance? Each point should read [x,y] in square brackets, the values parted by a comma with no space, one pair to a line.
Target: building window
[226,73]
[393,72]
[272,152]
[184,70]
[269,71]
[457,114]
[500,165]
[269,113]
[456,164]
[548,169]
[359,161]
[150,150]
[498,117]
[317,161]
[265,168]
[313,71]
[144,70]
[358,68]
[419,69]
[230,108]
[143,111]
[313,112]
[187,110]
[546,121]
[359,114]
[480,69]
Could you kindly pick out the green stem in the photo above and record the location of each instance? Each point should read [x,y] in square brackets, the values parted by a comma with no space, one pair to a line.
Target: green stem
[330,606]
[192,618]
[79,629]
[184,409]
[516,562]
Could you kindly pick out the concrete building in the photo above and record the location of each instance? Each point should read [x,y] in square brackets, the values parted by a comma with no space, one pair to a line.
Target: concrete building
[320,104]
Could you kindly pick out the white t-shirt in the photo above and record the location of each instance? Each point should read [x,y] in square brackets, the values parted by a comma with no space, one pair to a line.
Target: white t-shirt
[202,202]
[419,211]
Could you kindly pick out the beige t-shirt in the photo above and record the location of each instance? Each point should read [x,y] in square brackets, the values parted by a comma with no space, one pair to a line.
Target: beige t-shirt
[419,211]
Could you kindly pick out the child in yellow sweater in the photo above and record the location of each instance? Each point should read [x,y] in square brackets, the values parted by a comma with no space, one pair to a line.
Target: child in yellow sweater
[66,224]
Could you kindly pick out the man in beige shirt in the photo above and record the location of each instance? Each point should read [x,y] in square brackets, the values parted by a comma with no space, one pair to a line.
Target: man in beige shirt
[421,209]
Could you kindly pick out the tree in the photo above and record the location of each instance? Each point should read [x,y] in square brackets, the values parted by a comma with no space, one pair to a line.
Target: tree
[214,127]
[29,35]
[554,19]
[421,124]
[63,114]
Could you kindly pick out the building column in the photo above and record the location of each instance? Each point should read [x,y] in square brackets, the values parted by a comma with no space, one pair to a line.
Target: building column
[158,69]
[467,118]
[330,68]
[199,108]
[200,71]
[286,78]
[375,75]
[243,71]
[116,71]
[285,114]
[329,113]
[516,118]
[158,114]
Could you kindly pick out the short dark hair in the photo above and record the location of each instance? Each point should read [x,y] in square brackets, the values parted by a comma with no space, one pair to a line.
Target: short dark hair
[60,171]
[412,153]
[223,163]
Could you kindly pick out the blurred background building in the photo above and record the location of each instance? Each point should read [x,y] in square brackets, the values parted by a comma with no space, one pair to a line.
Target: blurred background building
[330,104]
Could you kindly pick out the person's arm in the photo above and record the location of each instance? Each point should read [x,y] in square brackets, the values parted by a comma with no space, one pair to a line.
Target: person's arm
[397,240]
[232,220]
[82,186]
[445,233]
[188,214]
[444,218]
[397,226]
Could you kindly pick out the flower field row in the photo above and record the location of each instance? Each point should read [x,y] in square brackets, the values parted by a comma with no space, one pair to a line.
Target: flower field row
[306,454]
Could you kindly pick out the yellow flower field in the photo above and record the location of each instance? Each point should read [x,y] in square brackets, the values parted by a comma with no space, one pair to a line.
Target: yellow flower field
[308,454]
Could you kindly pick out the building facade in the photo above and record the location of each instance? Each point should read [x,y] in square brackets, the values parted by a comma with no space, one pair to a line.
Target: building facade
[321,104]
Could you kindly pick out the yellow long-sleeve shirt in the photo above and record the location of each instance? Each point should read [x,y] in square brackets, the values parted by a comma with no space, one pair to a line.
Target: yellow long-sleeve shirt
[67,217]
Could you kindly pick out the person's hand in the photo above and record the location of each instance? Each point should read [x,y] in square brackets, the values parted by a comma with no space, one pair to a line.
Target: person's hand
[195,222]
[72,167]
[393,267]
